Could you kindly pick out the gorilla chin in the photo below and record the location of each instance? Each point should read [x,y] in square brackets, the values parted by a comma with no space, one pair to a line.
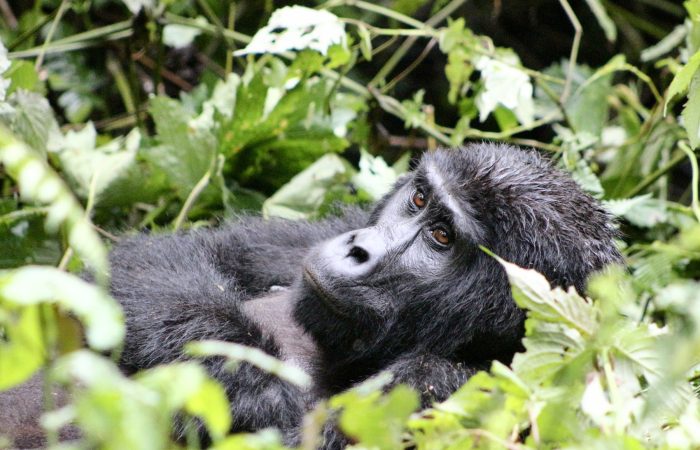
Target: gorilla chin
[402,288]
[335,300]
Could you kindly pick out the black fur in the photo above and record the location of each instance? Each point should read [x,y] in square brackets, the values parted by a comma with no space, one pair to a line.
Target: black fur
[375,291]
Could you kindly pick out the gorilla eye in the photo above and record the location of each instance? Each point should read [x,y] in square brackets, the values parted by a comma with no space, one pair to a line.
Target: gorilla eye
[419,199]
[441,236]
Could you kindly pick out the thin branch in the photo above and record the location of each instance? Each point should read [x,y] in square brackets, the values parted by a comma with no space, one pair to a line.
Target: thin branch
[61,10]
[386,12]
[658,173]
[411,67]
[196,192]
[167,74]
[573,56]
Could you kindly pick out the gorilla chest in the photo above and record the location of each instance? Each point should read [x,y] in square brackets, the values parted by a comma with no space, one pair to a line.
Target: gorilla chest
[273,313]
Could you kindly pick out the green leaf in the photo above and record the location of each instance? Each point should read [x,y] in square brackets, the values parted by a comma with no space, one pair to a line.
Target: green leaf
[642,211]
[253,356]
[99,313]
[682,80]
[39,183]
[691,112]
[33,120]
[88,166]
[211,404]
[267,439]
[533,292]
[304,194]
[22,349]
[186,151]
[22,75]
[275,133]
[375,420]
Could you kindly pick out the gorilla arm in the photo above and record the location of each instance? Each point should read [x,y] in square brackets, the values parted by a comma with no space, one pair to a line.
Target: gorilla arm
[172,293]
[435,378]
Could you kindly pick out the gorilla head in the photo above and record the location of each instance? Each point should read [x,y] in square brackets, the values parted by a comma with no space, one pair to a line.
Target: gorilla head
[415,279]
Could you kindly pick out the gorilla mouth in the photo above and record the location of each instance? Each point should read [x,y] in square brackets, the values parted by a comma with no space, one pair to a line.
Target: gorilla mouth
[330,301]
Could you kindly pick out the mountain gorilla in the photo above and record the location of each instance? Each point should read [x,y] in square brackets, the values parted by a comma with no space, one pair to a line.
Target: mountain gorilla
[404,288]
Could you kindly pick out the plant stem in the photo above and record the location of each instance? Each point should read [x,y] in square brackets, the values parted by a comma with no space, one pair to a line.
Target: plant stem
[381,10]
[61,10]
[694,203]
[231,26]
[573,56]
[658,173]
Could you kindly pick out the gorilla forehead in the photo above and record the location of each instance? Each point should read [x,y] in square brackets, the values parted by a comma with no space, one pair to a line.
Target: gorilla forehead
[492,170]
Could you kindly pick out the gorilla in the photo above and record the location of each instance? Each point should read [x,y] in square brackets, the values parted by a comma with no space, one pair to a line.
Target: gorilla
[403,288]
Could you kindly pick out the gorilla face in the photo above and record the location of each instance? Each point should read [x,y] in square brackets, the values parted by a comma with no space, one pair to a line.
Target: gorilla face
[415,277]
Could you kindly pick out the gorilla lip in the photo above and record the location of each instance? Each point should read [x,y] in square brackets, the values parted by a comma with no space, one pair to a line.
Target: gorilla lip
[327,299]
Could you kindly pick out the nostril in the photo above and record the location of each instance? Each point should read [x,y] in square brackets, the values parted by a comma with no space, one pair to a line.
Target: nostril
[359,254]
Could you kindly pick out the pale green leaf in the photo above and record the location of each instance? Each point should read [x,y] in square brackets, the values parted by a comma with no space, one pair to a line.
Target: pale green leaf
[681,82]
[90,167]
[100,314]
[304,194]
[22,350]
[253,356]
[39,183]
[691,112]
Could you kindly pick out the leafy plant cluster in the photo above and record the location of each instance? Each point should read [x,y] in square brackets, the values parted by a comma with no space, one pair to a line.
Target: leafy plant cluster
[157,115]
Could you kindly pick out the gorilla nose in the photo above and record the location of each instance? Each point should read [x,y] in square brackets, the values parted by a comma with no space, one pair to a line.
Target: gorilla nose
[359,254]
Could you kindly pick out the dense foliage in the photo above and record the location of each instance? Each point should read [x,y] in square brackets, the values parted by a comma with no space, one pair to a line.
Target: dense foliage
[141,114]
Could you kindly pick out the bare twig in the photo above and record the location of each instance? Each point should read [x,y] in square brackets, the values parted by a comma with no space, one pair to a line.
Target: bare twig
[573,56]
[411,67]
[167,74]
[8,15]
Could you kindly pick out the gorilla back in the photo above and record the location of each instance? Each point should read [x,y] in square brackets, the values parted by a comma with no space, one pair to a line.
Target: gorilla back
[404,288]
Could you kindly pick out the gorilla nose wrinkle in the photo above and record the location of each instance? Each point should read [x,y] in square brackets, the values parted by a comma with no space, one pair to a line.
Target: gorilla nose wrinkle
[359,254]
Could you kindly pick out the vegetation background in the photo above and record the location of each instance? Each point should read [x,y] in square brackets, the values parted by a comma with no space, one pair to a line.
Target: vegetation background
[122,116]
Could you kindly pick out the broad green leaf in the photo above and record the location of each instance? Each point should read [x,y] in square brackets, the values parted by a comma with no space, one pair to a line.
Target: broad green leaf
[40,184]
[533,292]
[90,167]
[377,421]
[22,349]
[681,82]
[267,146]
[112,411]
[691,112]
[22,75]
[210,403]
[185,152]
[32,120]
[305,193]
[642,211]
[99,313]
[504,84]
[186,386]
